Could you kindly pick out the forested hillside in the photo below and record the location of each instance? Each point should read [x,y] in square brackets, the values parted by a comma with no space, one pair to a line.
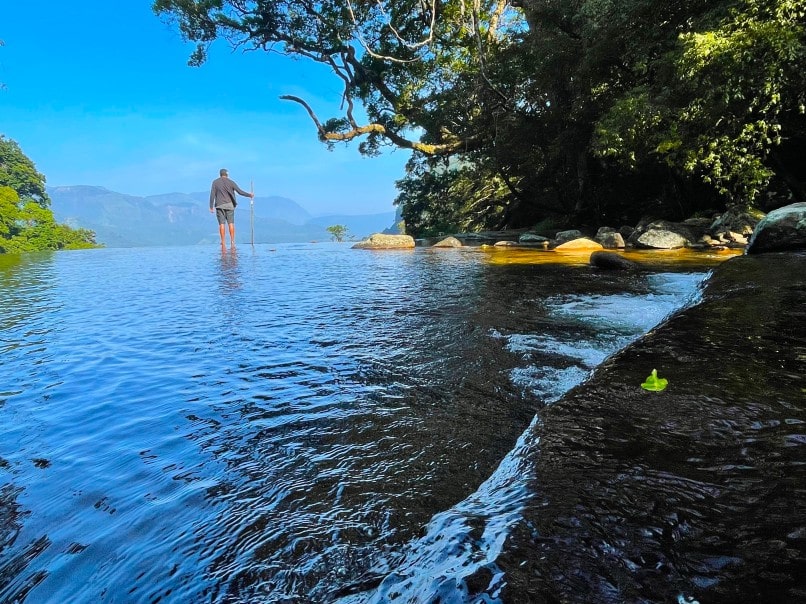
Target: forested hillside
[27,223]
[518,112]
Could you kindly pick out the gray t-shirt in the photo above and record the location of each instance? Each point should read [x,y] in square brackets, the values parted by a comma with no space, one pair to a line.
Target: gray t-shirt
[222,193]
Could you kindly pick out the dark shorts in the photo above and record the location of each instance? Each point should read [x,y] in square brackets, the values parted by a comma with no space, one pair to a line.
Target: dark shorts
[225,216]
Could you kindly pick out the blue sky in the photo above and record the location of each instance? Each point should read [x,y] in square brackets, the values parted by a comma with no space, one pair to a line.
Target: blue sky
[100,93]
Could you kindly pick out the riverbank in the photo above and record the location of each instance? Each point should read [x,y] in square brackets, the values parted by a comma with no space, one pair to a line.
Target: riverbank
[693,493]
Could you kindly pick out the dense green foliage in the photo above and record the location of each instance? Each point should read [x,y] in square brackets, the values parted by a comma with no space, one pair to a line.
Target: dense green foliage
[26,221]
[584,111]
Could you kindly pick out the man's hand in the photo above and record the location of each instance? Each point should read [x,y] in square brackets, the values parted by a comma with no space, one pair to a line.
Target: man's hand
[252,195]
[211,210]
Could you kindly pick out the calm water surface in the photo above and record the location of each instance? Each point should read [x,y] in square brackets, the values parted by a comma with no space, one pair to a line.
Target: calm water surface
[286,424]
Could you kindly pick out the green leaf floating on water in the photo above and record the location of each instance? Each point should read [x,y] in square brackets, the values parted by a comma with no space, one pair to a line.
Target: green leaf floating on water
[654,383]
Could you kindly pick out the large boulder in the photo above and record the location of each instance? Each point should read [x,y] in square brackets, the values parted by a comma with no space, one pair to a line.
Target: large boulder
[448,242]
[781,230]
[578,245]
[609,238]
[380,241]
[662,235]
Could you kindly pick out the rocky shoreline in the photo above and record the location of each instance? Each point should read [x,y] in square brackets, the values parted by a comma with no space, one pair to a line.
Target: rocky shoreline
[781,229]
[692,494]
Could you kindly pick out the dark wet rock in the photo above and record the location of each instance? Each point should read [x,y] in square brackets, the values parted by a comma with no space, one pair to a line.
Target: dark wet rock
[570,235]
[380,241]
[698,224]
[488,237]
[533,238]
[609,238]
[611,261]
[448,242]
[783,229]
[693,493]
[626,232]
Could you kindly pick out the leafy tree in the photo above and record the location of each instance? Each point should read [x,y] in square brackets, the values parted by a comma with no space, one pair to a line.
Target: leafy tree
[26,221]
[337,232]
[19,172]
[585,110]
[730,107]
[416,66]
[470,196]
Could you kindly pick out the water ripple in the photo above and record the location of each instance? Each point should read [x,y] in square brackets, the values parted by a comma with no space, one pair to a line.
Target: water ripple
[297,425]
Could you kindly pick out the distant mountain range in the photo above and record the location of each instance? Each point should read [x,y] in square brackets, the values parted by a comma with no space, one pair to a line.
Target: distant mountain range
[121,220]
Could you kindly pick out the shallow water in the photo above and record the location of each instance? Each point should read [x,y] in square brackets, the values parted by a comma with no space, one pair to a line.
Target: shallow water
[292,423]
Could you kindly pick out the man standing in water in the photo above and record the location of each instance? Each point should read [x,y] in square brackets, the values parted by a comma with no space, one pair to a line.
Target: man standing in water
[222,202]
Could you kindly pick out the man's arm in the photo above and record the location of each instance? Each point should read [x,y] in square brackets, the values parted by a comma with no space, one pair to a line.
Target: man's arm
[238,189]
[212,196]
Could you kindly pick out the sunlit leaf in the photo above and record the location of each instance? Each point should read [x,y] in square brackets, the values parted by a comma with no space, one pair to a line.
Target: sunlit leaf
[653,383]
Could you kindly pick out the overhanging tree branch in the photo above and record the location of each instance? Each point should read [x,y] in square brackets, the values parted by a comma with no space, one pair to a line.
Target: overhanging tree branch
[379,129]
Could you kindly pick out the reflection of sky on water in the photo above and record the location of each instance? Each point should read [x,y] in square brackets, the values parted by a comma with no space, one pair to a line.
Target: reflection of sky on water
[230,275]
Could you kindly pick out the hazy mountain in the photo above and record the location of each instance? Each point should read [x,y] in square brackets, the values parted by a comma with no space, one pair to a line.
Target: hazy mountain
[279,208]
[121,220]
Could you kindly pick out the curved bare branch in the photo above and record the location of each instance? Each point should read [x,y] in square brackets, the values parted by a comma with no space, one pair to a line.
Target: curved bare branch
[453,146]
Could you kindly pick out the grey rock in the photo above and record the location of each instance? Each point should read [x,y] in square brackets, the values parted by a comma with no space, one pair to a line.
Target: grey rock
[532,238]
[609,238]
[781,230]
[570,235]
[735,221]
[379,241]
[662,235]
[448,242]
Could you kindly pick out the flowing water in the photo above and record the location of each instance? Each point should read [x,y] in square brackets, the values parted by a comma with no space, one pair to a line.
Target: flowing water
[293,423]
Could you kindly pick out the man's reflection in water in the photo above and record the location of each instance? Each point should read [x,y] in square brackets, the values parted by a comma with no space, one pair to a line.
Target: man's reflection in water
[230,272]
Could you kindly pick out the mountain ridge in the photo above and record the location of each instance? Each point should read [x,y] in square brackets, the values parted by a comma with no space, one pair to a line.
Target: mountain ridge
[123,220]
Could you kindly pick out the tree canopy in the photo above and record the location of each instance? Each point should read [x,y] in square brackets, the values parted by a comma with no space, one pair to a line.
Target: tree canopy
[590,111]
[26,221]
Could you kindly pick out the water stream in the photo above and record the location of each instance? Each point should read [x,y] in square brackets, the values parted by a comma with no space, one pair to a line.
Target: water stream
[292,423]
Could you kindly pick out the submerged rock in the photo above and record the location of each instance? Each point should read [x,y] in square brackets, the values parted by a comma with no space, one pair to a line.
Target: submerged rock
[380,241]
[781,230]
[611,261]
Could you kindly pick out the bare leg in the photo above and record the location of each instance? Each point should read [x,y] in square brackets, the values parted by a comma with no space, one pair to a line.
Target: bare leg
[221,233]
[231,234]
